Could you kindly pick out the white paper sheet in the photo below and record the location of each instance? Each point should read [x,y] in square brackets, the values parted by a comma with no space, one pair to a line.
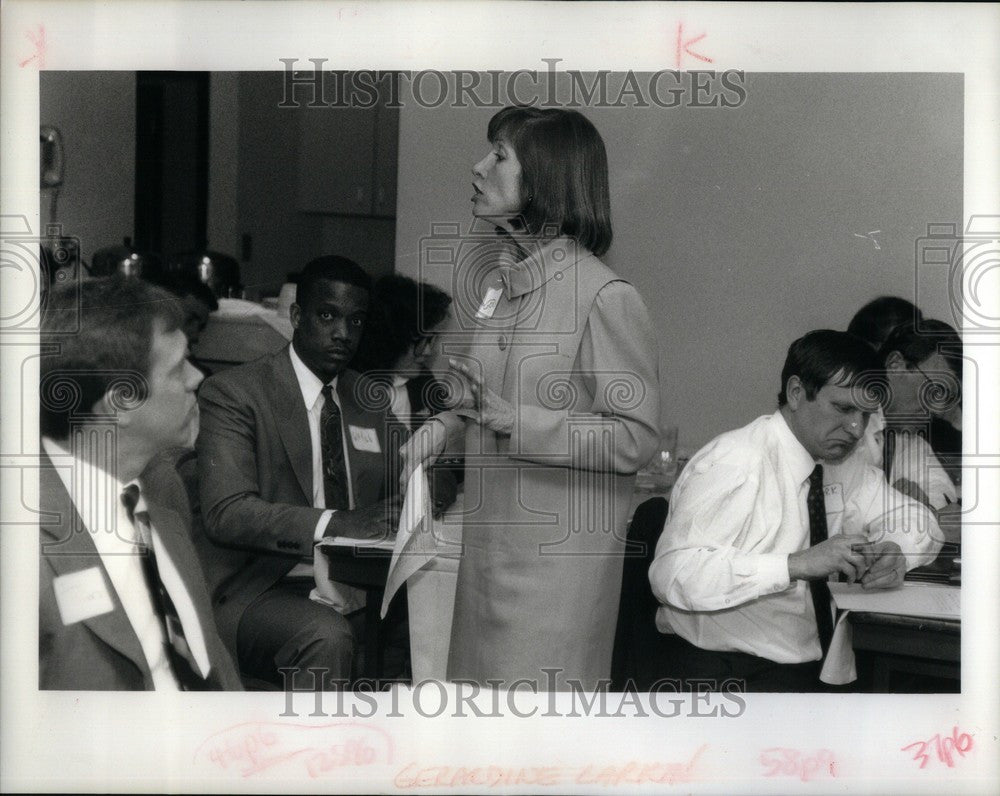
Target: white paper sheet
[913,599]
[415,545]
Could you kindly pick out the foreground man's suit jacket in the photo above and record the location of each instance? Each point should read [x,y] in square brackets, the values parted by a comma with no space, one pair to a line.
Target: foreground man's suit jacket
[102,653]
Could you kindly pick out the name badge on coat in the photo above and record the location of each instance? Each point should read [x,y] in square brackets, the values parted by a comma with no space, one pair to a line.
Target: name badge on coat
[364,439]
[82,595]
[489,305]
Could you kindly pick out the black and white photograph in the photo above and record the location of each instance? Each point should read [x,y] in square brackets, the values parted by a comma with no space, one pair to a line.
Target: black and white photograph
[612,410]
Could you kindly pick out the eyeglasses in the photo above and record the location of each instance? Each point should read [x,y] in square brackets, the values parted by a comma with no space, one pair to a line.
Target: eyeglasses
[942,393]
[422,344]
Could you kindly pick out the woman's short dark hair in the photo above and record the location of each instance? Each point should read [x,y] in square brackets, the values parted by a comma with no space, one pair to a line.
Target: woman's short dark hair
[823,356]
[564,172]
[101,331]
[874,321]
[329,268]
[402,312]
[918,341]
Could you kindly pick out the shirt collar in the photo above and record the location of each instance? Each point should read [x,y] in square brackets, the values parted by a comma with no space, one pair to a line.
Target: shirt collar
[800,461]
[541,265]
[81,477]
[309,383]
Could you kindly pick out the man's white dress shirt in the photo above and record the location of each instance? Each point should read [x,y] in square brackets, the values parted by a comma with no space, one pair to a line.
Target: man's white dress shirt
[736,513]
[118,544]
[339,596]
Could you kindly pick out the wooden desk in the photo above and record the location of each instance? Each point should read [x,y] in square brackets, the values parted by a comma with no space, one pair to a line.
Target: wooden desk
[908,644]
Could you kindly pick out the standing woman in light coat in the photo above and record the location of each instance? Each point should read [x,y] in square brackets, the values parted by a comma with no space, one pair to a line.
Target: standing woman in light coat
[560,408]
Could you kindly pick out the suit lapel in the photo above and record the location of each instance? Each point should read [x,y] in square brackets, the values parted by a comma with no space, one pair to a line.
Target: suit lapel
[290,417]
[68,548]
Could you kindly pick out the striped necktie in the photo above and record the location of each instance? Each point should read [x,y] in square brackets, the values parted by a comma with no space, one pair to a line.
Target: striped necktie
[332,450]
[178,652]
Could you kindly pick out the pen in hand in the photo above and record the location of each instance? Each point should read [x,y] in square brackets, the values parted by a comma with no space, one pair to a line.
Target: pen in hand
[867,550]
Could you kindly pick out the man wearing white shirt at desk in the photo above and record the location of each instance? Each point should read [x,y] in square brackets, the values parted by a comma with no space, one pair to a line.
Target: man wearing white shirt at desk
[122,599]
[755,531]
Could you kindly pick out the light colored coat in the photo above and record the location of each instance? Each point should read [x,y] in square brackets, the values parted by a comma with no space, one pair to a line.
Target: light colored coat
[571,347]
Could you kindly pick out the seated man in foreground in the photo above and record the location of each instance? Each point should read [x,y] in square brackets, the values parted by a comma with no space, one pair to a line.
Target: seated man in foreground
[122,600]
[754,531]
[288,454]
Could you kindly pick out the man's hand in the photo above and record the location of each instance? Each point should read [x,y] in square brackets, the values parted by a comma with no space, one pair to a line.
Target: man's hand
[423,447]
[888,569]
[494,412]
[377,521]
[836,554]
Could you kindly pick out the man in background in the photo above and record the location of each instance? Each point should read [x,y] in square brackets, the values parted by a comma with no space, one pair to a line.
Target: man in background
[289,454]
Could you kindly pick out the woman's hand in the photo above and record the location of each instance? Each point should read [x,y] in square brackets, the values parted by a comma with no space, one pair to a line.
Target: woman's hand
[494,412]
[423,447]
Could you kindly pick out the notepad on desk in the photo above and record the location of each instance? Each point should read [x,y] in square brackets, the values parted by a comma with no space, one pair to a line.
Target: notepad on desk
[383,543]
[913,599]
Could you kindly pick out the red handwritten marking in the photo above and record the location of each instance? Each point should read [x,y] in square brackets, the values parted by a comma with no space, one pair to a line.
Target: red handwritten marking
[944,747]
[634,773]
[38,40]
[414,775]
[253,747]
[682,46]
[782,762]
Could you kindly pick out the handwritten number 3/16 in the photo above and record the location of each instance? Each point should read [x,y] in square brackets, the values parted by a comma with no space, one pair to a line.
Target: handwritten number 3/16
[944,747]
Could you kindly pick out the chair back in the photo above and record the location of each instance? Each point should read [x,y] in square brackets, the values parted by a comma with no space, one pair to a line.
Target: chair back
[637,609]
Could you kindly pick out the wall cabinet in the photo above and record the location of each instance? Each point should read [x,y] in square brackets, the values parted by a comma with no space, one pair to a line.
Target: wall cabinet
[310,181]
[347,159]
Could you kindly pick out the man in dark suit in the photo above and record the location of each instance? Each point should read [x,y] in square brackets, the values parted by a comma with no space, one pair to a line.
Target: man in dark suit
[122,598]
[288,454]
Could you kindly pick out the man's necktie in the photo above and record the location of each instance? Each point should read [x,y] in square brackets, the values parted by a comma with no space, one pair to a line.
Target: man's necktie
[817,533]
[178,652]
[332,449]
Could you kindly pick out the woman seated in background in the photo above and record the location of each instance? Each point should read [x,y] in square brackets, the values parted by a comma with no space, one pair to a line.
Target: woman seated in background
[395,353]
[923,365]
[922,387]
[874,323]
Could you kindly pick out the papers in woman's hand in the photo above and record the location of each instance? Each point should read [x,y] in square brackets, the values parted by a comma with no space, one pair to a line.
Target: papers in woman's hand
[415,544]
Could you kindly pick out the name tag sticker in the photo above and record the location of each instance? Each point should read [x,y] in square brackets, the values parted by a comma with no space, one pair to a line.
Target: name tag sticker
[833,498]
[82,595]
[364,439]
[489,305]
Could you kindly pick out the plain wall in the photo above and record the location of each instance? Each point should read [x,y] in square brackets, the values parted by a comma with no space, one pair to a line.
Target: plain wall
[739,226]
[95,112]
[253,167]
[224,163]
